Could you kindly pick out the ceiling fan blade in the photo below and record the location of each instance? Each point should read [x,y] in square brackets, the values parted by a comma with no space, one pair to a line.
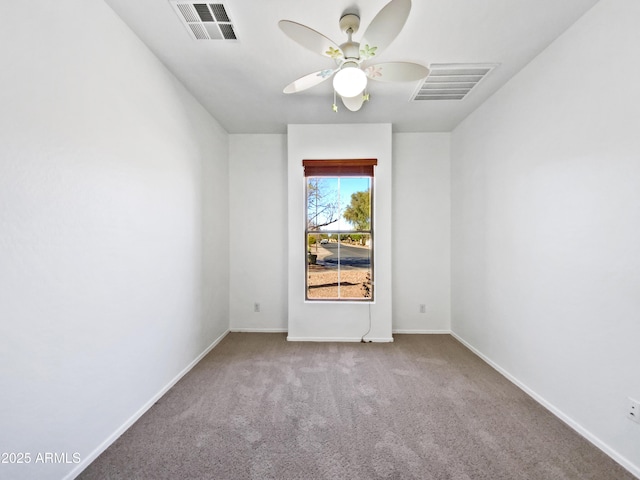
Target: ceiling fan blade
[308,81]
[386,25]
[396,72]
[309,38]
[353,103]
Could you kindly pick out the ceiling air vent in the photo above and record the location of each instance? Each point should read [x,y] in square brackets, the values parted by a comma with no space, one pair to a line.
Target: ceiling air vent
[205,21]
[451,81]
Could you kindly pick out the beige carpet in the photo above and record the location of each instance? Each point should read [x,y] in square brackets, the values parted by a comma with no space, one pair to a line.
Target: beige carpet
[424,407]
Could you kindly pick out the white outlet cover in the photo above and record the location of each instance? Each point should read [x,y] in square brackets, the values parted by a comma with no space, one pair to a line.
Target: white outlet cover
[633,412]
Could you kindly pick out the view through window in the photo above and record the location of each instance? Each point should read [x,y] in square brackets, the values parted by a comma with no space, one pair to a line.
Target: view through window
[339,235]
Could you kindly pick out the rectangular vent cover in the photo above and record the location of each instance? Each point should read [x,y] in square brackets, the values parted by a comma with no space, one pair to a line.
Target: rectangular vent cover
[205,21]
[451,81]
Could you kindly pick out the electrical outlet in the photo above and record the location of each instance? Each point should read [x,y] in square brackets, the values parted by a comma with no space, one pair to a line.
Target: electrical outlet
[423,308]
[256,307]
[633,412]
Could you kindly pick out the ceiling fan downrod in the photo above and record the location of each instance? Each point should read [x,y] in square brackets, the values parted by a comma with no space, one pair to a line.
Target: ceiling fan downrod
[349,24]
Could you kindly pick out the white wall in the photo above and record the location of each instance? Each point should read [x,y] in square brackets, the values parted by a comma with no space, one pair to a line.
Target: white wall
[546,227]
[344,321]
[258,232]
[421,232]
[113,193]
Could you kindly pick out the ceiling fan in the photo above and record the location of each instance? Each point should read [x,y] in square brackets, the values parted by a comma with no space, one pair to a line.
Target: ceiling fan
[351,73]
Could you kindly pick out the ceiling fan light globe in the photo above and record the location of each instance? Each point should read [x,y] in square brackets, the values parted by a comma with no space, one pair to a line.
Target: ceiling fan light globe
[349,82]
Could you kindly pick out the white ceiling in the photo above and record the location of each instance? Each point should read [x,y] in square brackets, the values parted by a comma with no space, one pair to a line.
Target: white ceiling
[240,82]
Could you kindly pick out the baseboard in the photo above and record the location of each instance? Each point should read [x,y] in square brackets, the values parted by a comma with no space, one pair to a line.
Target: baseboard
[323,339]
[259,330]
[623,461]
[402,331]
[123,428]
[338,339]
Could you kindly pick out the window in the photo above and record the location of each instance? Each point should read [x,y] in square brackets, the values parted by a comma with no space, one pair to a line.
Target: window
[339,229]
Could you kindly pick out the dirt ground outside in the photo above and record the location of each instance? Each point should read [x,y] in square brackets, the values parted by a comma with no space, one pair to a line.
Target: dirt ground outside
[322,282]
[322,279]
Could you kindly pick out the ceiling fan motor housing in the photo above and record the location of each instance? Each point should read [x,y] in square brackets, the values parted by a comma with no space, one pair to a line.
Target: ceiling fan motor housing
[351,50]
